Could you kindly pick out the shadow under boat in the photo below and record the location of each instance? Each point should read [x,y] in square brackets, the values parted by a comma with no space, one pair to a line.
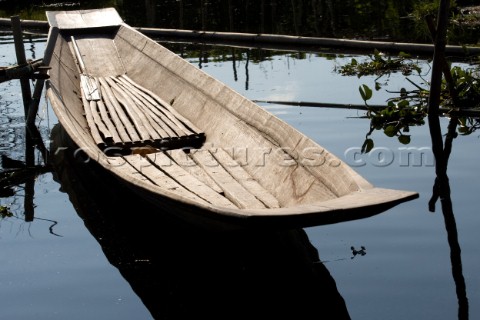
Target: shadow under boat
[179,270]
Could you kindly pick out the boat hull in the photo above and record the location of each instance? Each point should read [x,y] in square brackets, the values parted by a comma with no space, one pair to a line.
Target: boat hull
[267,173]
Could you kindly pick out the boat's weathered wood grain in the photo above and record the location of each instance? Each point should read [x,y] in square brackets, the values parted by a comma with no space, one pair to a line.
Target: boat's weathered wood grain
[99,55]
[189,181]
[138,119]
[227,118]
[99,122]
[245,179]
[187,163]
[159,178]
[166,105]
[108,122]
[162,129]
[112,114]
[233,190]
[89,87]
[91,122]
[111,100]
[158,132]
[150,107]
[76,19]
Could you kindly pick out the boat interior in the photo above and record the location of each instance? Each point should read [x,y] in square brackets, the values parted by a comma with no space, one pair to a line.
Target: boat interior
[169,124]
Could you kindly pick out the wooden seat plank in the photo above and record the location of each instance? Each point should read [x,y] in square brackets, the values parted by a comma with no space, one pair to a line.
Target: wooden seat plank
[188,181]
[233,190]
[99,55]
[245,178]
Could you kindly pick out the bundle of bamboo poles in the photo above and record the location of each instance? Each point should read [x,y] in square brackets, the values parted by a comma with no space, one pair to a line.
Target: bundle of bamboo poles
[124,114]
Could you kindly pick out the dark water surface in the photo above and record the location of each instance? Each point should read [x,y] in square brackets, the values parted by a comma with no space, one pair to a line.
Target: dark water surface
[95,252]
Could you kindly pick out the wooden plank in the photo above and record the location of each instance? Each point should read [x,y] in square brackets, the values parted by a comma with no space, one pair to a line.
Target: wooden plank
[79,19]
[154,122]
[137,117]
[158,177]
[99,54]
[118,124]
[98,121]
[162,129]
[188,181]
[168,118]
[106,119]
[187,163]
[111,100]
[245,178]
[91,122]
[90,87]
[233,190]
[164,104]
[149,107]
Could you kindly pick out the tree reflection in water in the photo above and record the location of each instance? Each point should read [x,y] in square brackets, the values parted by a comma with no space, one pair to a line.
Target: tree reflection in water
[441,189]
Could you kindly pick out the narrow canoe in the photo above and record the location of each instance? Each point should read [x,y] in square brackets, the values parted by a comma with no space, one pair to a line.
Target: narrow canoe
[187,268]
[187,142]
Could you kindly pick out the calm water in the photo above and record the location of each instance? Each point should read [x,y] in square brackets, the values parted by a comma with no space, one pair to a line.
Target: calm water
[91,254]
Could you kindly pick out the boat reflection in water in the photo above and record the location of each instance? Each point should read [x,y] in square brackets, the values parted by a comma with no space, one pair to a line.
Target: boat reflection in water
[181,271]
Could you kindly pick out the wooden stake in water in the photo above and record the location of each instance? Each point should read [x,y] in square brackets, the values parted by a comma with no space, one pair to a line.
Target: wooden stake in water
[21,60]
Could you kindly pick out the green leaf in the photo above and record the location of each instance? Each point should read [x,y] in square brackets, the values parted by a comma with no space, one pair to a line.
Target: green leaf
[367,146]
[403,104]
[365,92]
[404,139]
[464,130]
[390,131]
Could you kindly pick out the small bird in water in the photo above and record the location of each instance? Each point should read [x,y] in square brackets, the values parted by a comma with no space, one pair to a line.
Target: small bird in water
[361,252]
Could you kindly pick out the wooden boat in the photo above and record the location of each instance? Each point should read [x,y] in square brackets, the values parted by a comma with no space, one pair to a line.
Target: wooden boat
[187,142]
[188,267]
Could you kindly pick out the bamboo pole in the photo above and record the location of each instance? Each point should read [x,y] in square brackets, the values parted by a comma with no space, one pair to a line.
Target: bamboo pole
[279,42]
[311,104]
[37,92]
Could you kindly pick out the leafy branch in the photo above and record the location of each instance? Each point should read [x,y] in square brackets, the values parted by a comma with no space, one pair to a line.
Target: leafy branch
[408,108]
